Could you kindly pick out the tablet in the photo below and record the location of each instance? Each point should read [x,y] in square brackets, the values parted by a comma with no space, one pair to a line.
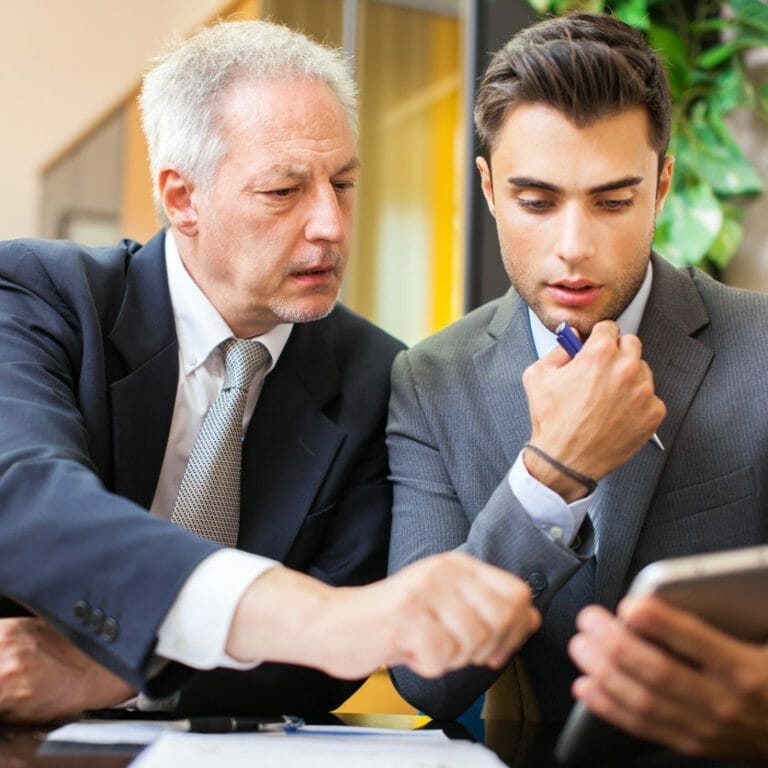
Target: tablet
[727,589]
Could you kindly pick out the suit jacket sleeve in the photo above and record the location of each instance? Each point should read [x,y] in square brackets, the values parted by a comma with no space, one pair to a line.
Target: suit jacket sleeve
[443,501]
[92,563]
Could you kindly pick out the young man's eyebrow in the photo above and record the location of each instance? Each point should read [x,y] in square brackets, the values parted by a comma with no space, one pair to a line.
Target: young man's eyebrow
[530,183]
[627,181]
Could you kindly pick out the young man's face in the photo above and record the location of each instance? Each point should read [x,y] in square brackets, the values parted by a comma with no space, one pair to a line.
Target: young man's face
[575,210]
[268,242]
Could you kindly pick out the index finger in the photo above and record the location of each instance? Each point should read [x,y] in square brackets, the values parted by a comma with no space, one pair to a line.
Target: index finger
[605,331]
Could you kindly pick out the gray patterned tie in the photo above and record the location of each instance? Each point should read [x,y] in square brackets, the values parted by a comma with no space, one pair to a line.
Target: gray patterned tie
[208,502]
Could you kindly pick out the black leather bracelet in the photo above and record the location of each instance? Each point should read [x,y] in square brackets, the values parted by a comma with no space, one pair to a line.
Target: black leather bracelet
[587,482]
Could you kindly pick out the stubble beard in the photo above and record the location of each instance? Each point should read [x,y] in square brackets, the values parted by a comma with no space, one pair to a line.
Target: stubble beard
[291,311]
[625,287]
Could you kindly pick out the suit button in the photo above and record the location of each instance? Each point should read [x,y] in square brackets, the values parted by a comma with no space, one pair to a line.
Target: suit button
[537,581]
[97,619]
[110,629]
[82,611]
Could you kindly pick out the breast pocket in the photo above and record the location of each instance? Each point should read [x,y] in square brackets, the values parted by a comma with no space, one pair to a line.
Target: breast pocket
[715,493]
[720,513]
[310,537]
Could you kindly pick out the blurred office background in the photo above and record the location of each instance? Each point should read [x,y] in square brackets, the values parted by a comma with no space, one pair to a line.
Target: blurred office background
[73,159]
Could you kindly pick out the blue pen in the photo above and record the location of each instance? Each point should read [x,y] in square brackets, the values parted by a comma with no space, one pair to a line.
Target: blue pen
[570,342]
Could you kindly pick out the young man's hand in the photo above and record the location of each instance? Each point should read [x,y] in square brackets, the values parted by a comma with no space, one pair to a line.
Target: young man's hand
[593,412]
[664,675]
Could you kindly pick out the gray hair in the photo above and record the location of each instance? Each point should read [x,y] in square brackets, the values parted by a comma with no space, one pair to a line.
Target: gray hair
[181,96]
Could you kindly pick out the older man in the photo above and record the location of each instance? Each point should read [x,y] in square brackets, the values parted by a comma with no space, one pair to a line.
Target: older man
[208,377]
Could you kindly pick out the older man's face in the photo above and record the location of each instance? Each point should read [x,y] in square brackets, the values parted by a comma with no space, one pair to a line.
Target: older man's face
[271,236]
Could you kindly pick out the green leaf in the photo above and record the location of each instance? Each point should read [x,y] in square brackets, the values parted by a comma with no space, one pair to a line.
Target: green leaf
[633,12]
[689,224]
[710,25]
[752,13]
[673,50]
[540,6]
[727,242]
[716,55]
[715,158]
[730,89]
[762,100]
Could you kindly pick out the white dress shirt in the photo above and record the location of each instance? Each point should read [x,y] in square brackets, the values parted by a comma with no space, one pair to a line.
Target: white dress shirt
[195,630]
[547,509]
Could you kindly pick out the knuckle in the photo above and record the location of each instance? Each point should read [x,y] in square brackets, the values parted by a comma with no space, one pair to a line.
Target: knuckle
[691,744]
[750,684]
[411,604]
[602,344]
[627,372]
[14,667]
[645,390]
[729,710]
[645,703]
[660,674]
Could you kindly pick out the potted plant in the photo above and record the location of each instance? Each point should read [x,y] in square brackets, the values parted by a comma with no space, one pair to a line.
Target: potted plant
[704,45]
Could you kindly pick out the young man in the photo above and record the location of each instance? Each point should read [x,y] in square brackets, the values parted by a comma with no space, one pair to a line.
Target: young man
[497,437]
[130,381]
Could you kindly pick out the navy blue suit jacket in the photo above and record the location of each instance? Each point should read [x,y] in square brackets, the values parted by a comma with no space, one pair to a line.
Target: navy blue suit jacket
[88,377]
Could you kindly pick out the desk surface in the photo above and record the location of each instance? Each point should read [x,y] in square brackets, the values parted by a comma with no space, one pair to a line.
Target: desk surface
[517,744]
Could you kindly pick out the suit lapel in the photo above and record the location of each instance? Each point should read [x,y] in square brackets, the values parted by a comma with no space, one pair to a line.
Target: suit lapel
[143,396]
[499,364]
[679,363]
[290,443]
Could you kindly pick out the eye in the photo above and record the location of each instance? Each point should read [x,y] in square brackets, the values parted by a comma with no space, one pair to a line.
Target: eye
[534,205]
[286,192]
[343,186]
[617,204]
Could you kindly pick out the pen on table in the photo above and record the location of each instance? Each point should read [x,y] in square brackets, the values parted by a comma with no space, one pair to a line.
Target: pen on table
[236,724]
[571,343]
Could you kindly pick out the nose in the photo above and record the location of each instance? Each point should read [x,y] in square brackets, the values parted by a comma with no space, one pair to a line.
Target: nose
[575,238]
[327,219]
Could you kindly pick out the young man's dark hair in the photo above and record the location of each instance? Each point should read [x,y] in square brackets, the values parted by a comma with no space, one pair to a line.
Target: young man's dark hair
[587,66]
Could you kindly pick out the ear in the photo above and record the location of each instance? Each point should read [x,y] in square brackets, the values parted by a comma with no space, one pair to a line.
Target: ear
[486,183]
[176,198]
[665,183]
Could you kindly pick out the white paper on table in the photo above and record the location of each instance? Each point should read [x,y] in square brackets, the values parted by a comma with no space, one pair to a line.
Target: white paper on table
[110,732]
[319,750]
[147,731]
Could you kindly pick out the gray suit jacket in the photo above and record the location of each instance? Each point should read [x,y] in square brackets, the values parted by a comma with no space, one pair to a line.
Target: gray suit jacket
[459,417]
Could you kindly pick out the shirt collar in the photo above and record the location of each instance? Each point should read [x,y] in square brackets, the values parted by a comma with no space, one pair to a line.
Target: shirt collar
[628,321]
[199,327]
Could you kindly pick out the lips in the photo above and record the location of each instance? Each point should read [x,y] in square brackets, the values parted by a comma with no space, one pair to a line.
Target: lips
[312,271]
[574,293]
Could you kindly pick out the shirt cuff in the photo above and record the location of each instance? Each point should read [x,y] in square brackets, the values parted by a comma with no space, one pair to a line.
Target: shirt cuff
[548,510]
[195,630]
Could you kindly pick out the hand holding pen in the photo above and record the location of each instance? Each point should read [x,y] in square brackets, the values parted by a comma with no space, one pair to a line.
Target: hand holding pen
[571,343]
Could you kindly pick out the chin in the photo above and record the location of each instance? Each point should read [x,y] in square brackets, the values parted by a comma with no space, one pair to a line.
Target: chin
[304,312]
